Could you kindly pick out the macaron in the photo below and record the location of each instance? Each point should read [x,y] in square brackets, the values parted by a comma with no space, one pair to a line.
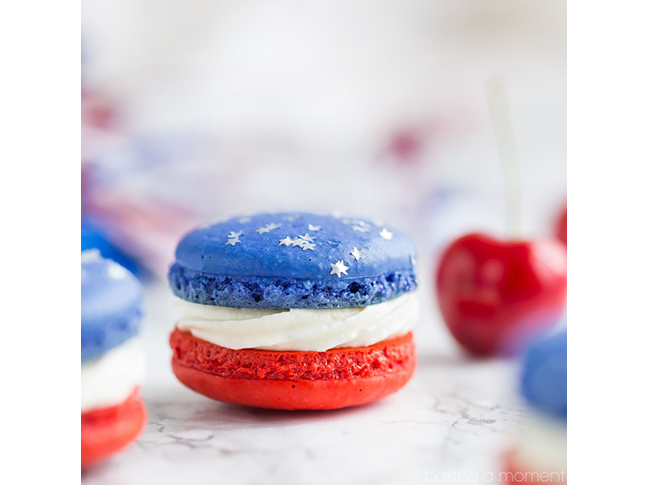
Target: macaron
[112,359]
[295,310]
[544,377]
[93,236]
[541,455]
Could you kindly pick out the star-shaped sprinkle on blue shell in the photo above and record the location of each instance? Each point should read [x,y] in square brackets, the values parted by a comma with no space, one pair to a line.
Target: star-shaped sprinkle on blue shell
[357,254]
[386,234]
[338,268]
[268,228]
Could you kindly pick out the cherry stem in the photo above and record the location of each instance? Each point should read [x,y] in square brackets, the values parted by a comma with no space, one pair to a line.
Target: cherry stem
[501,118]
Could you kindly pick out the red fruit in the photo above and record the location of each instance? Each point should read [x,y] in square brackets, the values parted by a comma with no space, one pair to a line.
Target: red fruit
[406,145]
[293,380]
[561,226]
[496,296]
[98,112]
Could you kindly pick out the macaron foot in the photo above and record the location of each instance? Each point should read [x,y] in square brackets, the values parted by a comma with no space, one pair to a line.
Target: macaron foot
[327,380]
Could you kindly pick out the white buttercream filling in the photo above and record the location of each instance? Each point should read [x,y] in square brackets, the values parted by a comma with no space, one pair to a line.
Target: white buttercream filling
[110,379]
[300,329]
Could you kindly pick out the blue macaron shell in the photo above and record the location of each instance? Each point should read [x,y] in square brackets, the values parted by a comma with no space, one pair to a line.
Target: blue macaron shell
[111,300]
[544,376]
[293,260]
[94,237]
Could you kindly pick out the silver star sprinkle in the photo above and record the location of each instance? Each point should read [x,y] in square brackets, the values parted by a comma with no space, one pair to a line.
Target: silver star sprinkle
[115,271]
[312,227]
[287,241]
[307,237]
[307,245]
[89,256]
[338,268]
[233,234]
[357,254]
[232,241]
[361,229]
[268,228]
[385,233]
[298,242]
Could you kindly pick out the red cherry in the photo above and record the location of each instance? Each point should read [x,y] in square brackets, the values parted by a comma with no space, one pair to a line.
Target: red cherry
[98,112]
[561,226]
[406,145]
[496,296]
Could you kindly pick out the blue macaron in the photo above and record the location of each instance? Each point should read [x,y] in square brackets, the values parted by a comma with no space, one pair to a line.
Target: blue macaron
[111,301]
[544,376]
[93,236]
[293,260]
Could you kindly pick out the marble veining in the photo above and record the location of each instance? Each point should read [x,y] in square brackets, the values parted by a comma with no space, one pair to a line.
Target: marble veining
[456,416]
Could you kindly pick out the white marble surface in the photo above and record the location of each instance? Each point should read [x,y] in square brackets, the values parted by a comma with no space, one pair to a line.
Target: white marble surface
[449,425]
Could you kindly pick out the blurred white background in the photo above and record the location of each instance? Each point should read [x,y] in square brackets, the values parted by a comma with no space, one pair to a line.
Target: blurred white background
[375,108]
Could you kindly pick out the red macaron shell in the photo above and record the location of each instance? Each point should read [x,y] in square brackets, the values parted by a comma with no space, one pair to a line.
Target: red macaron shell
[293,380]
[105,431]
[516,473]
